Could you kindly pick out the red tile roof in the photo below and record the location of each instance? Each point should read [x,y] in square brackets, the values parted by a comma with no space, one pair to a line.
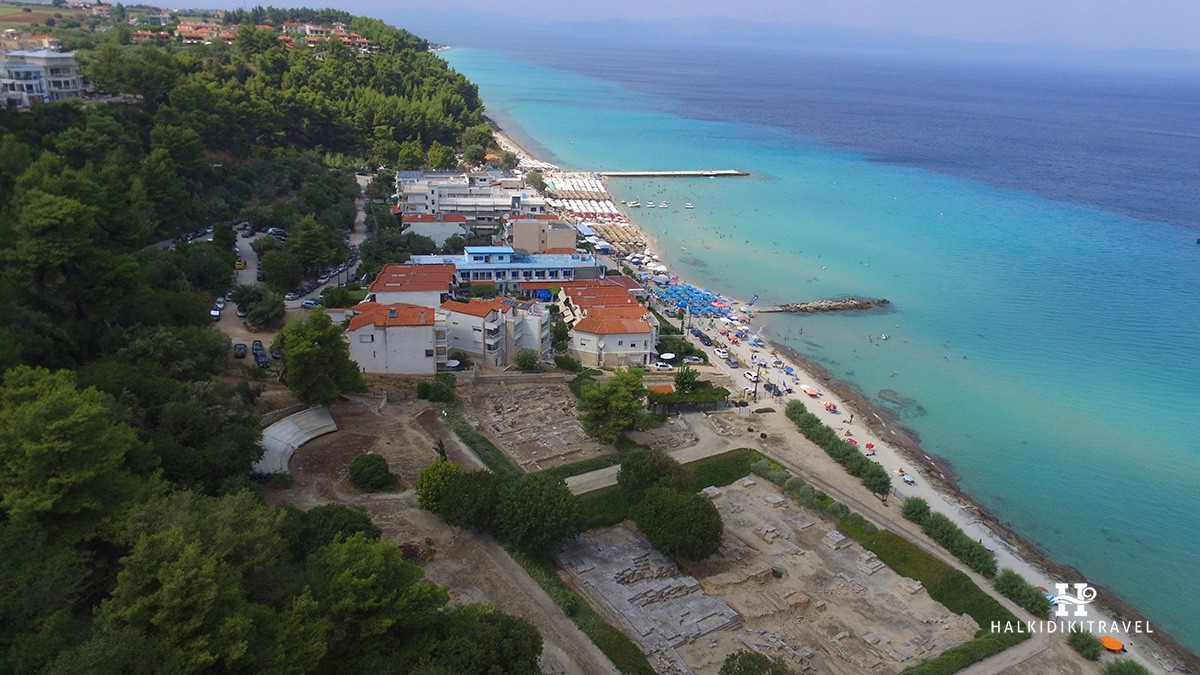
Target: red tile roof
[402,278]
[481,308]
[661,388]
[396,314]
[601,326]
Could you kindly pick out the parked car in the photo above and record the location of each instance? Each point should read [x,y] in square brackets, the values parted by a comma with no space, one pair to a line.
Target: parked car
[705,340]
[241,311]
[262,361]
[663,365]
[693,360]
[751,375]
[275,353]
[311,303]
[215,313]
[240,264]
[247,234]
[721,353]
[291,295]
[276,232]
[220,303]
[733,363]
[260,275]
[239,350]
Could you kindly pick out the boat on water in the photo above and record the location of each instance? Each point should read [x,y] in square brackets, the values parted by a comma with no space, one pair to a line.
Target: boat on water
[633,204]
[649,205]
[688,205]
[885,336]
[810,390]
[663,205]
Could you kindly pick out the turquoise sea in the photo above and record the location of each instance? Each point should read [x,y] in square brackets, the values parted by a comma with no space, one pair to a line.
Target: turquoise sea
[1051,345]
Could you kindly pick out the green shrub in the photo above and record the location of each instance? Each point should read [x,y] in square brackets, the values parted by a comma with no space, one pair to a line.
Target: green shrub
[951,537]
[370,473]
[584,466]
[771,471]
[746,662]
[483,291]
[761,411]
[603,507]
[439,390]
[680,525]
[433,482]
[1014,587]
[1085,643]
[568,363]
[528,360]
[1125,667]
[644,469]
[916,509]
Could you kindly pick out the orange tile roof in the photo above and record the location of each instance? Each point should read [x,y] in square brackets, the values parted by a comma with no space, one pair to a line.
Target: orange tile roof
[481,308]
[401,278]
[661,388]
[396,314]
[599,326]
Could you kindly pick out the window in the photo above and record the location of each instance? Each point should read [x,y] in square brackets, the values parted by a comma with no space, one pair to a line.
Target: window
[366,338]
[553,274]
[621,343]
[428,352]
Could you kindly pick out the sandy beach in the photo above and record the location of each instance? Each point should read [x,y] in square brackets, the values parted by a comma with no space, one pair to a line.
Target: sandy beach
[898,450]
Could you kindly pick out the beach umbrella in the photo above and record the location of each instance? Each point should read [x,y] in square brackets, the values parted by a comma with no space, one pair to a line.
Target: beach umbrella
[851,441]
[789,370]
[1111,643]
[870,446]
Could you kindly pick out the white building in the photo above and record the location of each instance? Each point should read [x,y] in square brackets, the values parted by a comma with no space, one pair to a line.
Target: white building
[437,226]
[484,198]
[600,342]
[493,331]
[39,76]
[398,338]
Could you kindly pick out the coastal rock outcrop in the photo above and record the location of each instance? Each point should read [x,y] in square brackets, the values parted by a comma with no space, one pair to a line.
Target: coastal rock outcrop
[838,305]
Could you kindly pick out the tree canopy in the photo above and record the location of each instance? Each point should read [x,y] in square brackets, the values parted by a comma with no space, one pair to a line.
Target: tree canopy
[318,362]
[610,407]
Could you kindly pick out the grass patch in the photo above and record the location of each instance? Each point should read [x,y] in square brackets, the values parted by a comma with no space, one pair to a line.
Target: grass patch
[488,453]
[723,469]
[603,508]
[666,326]
[952,588]
[623,652]
[584,466]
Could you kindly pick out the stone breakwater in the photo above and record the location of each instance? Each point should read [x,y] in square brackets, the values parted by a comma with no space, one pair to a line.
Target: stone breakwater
[838,305]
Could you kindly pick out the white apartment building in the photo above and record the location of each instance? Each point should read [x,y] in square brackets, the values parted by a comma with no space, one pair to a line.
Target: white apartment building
[39,76]
[398,339]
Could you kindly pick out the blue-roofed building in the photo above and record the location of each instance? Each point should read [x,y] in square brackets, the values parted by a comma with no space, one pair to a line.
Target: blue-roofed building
[506,267]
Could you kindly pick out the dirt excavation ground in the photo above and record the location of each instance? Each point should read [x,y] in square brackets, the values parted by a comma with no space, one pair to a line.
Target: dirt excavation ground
[784,583]
[789,592]
[474,568]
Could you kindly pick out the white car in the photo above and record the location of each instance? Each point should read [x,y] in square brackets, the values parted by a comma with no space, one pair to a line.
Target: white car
[751,375]
[721,353]
[220,304]
[663,365]
[693,360]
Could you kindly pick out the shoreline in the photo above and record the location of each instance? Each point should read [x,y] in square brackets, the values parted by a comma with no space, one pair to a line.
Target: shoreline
[889,433]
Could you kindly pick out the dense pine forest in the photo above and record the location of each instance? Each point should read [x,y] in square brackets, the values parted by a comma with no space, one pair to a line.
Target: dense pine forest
[132,537]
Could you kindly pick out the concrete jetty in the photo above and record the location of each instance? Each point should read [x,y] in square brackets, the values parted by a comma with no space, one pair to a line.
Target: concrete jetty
[699,173]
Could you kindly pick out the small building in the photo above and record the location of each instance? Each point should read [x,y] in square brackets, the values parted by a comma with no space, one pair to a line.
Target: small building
[424,285]
[538,235]
[39,76]
[398,339]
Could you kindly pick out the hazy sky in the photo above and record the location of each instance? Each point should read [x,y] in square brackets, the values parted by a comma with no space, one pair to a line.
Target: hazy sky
[1073,24]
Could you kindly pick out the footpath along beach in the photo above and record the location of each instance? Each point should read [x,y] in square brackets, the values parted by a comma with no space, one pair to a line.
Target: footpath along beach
[915,473]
